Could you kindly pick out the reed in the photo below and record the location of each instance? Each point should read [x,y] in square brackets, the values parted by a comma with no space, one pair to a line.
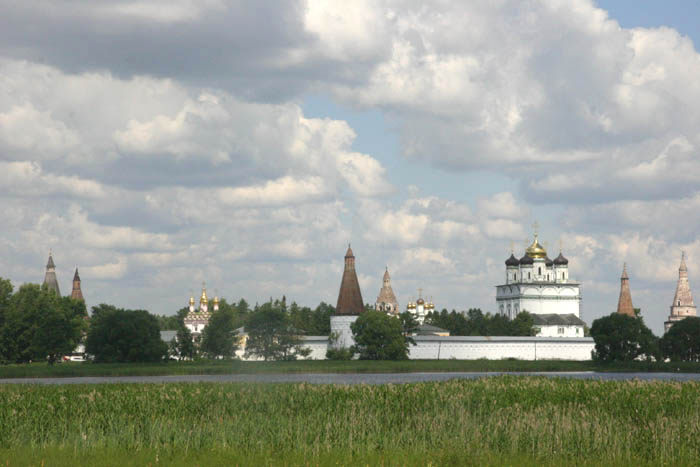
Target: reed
[487,421]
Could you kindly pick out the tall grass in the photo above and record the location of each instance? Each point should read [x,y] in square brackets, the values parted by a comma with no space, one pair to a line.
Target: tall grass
[538,420]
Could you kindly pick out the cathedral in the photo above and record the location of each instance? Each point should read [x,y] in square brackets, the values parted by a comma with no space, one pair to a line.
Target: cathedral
[197,318]
[420,308]
[542,286]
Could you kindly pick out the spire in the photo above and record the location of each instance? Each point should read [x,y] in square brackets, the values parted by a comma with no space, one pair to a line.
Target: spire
[77,292]
[386,301]
[683,305]
[624,304]
[349,298]
[50,280]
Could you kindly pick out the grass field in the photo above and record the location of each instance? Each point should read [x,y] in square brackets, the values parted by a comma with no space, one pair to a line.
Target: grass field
[209,367]
[500,420]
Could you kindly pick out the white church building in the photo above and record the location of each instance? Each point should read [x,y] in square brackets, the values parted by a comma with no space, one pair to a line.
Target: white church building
[542,287]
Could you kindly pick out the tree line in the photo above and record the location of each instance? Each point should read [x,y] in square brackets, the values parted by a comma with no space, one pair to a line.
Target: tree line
[475,323]
[621,337]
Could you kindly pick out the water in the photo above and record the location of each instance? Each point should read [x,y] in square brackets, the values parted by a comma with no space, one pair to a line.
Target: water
[346,378]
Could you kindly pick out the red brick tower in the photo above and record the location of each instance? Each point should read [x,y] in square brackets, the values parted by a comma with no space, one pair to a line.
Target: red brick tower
[77,293]
[349,298]
[624,304]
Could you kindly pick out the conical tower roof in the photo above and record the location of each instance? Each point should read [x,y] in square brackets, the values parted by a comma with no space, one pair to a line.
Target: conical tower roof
[683,304]
[386,293]
[624,304]
[50,280]
[77,292]
[349,298]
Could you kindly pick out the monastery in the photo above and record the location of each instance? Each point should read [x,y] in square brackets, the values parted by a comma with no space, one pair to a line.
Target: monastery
[542,287]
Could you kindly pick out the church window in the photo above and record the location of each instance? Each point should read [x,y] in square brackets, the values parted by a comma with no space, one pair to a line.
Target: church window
[679,303]
[514,276]
[539,271]
[560,330]
[528,275]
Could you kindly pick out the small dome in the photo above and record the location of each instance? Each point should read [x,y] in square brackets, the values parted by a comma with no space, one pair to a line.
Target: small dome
[192,300]
[420,302]
[216,300]
[512,261]
[548,262]
[526,260]
[560,260]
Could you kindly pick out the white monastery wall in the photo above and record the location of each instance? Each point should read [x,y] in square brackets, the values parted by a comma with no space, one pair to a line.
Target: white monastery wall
[499,348]
[340,325]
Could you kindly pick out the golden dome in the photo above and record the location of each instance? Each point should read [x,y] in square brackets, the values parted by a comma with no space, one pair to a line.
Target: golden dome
[216,300]
[192,300]
[420,301]
[203,298]
[536,250]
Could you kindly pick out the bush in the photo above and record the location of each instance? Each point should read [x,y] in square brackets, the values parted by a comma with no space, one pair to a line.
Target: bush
[339,354]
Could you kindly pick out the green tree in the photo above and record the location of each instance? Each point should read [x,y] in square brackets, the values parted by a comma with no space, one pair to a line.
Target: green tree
[271,335]
[119,335]
[620,337]
[219,335]
[39,325]
[409,326]
[522,325]
[379,337]
[182,345]
[682,341]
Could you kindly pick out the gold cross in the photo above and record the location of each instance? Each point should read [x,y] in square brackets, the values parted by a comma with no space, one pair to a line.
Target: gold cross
[420,293]
[536,227]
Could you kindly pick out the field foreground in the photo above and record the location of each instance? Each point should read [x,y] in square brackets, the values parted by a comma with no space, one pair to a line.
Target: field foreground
[497,420]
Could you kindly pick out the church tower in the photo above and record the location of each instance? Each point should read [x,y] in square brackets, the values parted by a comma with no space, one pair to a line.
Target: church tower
[77,292]
[50,280]
[624,304]
[349,298]
[386,301]
[683,305]
[349,306]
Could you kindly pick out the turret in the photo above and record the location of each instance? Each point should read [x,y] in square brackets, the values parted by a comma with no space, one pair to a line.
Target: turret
[216,303]
[191,303]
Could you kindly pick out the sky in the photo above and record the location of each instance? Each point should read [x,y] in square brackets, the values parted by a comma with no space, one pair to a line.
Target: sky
[162,144]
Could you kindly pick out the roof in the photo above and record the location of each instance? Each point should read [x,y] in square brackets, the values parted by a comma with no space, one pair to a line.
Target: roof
[50,264]
[167,336]
[454,339]
[349,297]
[76,276]
[512,261]
[555,319]
[560,260]
[527,260]
[427,329]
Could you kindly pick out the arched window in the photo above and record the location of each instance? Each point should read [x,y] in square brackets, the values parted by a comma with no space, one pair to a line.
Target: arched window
[528,275]
[539,271]
[679,303]
[514,276]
